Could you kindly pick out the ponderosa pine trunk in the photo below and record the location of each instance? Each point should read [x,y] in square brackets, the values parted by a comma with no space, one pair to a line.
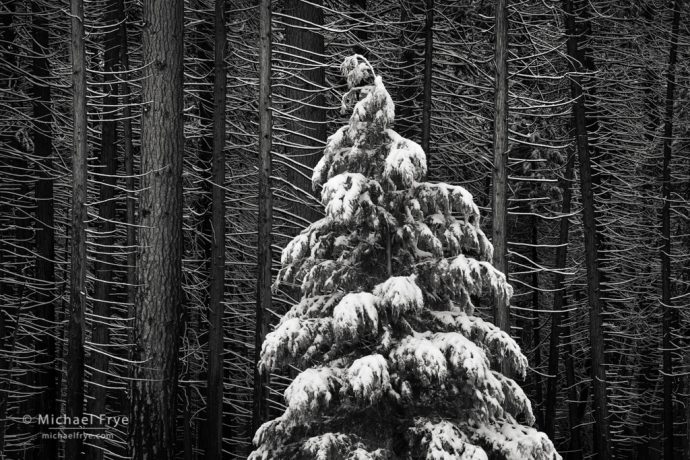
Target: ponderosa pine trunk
[260,411]
[75,338]
[499,210]
[159,271]
[214,409]
[669,315]
[601,433]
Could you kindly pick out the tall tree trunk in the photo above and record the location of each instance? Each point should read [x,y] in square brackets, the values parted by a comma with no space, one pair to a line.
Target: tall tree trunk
[106,210]
[557,315]
[669,315]
[601,429]
[499,211]
[159,272]
[214,445]
[45,233]
[75,340]
[263,286]
[428,72]
[306,98]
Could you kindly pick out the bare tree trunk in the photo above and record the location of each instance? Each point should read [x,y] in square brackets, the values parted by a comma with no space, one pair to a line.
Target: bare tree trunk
[214,445]
[499,211]
[158,298]
[263,287]
[45,233]
[601,430]
[558,300]
[428,73]
[75,340]
[669,316]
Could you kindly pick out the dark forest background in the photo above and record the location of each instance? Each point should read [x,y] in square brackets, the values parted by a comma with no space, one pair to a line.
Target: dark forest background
[597,184]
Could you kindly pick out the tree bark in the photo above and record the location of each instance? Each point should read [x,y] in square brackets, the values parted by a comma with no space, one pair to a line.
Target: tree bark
[263,298]
[214,445]
[499,211]
[159,272]
[669,315]
[75,339]
[601,429]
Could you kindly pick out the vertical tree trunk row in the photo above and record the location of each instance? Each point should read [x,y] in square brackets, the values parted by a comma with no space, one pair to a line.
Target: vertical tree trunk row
[159,270]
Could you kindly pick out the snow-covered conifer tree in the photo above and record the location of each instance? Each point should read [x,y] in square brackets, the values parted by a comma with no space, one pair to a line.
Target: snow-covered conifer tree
[396,365]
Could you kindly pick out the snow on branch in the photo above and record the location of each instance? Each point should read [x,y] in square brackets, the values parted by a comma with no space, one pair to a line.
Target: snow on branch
[355,316]
[400,295]
[368,379]
[405,163]
[443,440]
[498,344]
[515,442]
